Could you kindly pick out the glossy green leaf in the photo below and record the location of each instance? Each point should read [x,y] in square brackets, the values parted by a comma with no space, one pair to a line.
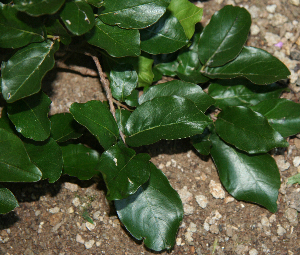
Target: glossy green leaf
[97,118]
[294,179]
[133,14]
[123,80]
[80,161]
[187,13]
[18,29]
[223,38]
[182,89]
[133,99]
[47,156]
[96,3]
[64,127]
[30,116]
[23,72]
[257,65]
[38,7]
[6,123]
[247,130]
[122,116]
[15,164]
[123,171]
[165,36]
[116,41]
[202,143]
[244,94]
[175,117]
[78,17]
[55,28]
[252,178]
[8,202]
[144,70]
[153,213]
[282,114]
[167,69]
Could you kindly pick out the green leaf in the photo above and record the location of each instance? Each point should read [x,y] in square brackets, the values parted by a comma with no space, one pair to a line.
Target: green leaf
[116,41]
[18,29]
[123,80]
[167,68]
[182,89]
[78,17]
[257,65]
[133,99]
[122,116]
[6,123]
[187,13]
[223,38]
[47,156]
[55,28]
[165,36]
[15,164]
[23,72]
[202,143]
[294,179]
[64,127]
[252,178]
[144,70]
[175,117]
[153,213]
[282,114]
[136,14]
[80,161]
[98,120]
[96,3]
[38,7]
[8,202]
[123,171]
[247,130]
[243,93]
[30,116]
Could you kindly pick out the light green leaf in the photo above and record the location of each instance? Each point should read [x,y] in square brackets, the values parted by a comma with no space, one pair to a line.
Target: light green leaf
[30,116]
[153,213]
[144,70]
[8,202]
[38,7]
[247,130]
[175,117]
[252,178]
[23,72]
[294,179]
[15,164]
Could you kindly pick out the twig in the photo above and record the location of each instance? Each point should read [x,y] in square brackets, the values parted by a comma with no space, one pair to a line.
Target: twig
[82,70]
[121,105]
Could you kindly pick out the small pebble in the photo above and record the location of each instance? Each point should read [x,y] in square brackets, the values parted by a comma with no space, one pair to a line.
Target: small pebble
[282,164]
[255,29]
[265,221]
[216,190]
[291,214]
[228,199]
[296,161]
[96,215]
[202,201]
[70,209]
[89,244]
[79,239]
[253,252]
[280,230]
[295,2]
[271,8]
[90,226]
[54,210]
[76,201]
[185,195]
[71,186]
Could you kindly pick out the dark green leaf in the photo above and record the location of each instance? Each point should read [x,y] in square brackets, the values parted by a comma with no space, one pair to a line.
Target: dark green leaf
[23,72]
[202,143]
[294,179]
[133,14]
[8,202]
[55,28]
[18,29]
[30,116]
[133,99]
[223,38]
[96,3]
[47,156]
[64,127]
[282,114]
[182,89]
[169,117]
[122,116]
[123,171]
[6,123]
[247,130]
[187,13]
[153,213]
[167,68]
[15,165]
[123,80]
[116,41]
[244,94]
[38,7]
[80,161]
[257,65]
[78,17]
[165,36]
[98,120]
[252,178]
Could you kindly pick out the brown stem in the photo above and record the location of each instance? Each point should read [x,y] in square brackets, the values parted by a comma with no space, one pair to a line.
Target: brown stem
[82,70]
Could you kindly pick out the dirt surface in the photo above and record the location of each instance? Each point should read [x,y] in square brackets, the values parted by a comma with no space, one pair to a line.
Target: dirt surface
[52,218]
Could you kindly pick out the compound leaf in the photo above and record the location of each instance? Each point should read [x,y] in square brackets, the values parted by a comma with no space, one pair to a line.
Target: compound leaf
[80,161]
[8,202]
[123,171]
[252,178]
[153,213]
[247,130]
[136,14]
[282,114]
[97,118]
[15,164]
[23,72]
[175,117]
[255,64]
[38,7]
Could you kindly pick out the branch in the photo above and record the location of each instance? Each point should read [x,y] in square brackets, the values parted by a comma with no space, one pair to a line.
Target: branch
[79,69]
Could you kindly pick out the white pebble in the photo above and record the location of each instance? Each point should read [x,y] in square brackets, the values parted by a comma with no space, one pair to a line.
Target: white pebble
[79,239]
[216,190]
[253,252]
[265,221]
[288,35]
[71,186]
[76,201]
[206,226]
[96,215]
[185,195]
[90,226]
[37,213]
[255,29]
[89,244]
[228,199]
[280,230]
[168,163]
[54,210]
[296,161]
[295,2]
[202,201]
[281,163]
[70,209]
[271,8]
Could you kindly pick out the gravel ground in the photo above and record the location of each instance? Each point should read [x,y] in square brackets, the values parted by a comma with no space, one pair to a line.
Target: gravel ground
[53,218]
